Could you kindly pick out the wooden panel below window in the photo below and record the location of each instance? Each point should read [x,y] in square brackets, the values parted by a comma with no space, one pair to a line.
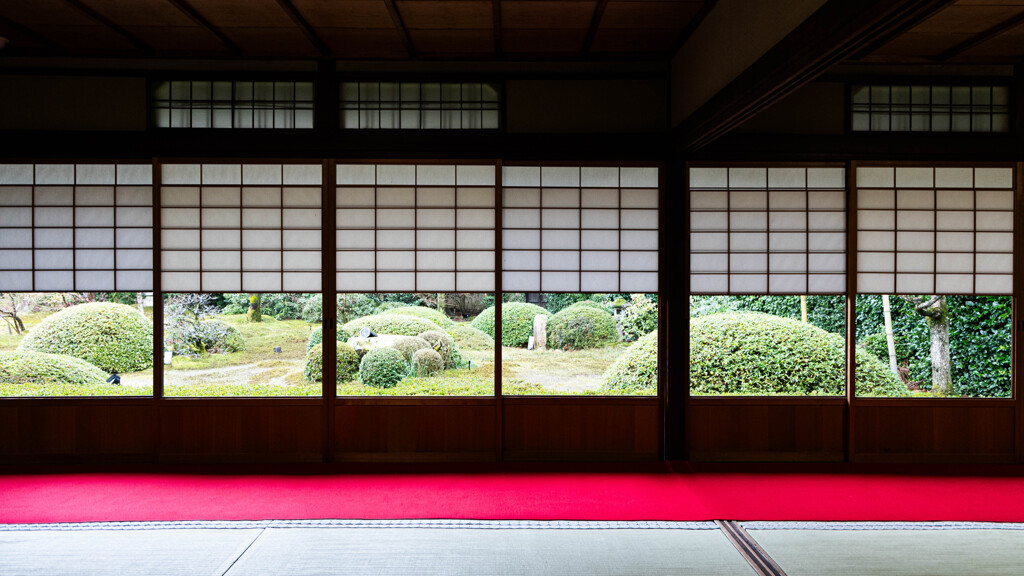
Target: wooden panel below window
[766,429]
[76,430]
[582,429]
[934,431]
[415,430]
[255,431]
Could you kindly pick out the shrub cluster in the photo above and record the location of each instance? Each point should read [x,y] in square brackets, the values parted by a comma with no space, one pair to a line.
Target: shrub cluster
[284,306]
[636,370]
[470,338]
[444,345]
[435,316]
[516,322]
[639,317]
[347,363]
[760,354]
[316,336]
[579,327]
[113,337]
[592,304]
[426,362]
[382,368]
[410,344]
[395,324]
[28,367]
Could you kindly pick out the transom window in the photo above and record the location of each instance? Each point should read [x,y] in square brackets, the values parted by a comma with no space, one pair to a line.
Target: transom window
[923,108]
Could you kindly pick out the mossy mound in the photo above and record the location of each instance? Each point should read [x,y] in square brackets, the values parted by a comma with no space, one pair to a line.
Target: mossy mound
[580,327]
[112,337]
[395,324]
[382,368]
[636,370]
[469,338]
[347,363]
[435,316]
[516,322]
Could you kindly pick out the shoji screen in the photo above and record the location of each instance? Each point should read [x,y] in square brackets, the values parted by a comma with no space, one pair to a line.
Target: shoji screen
[241,228]
[405,227]
[934,230]
[580,229]
[76,227]
[761,230]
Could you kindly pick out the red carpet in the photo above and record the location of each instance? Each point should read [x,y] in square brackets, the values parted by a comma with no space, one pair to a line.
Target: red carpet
[649,493]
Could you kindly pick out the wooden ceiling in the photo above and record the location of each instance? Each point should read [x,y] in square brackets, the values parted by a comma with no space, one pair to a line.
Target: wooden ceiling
[364,29]
[965,31]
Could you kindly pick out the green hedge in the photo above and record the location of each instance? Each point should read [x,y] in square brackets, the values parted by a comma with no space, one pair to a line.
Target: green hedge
[382,368]
[516,322]
[470,338]
[426,362]
[347,365]
[443,344]
[636,370]
[317,336]
[28,367]
[579,327]
[760,354]
[435,316]
[393,324]
[591,304]
[409,345]
[113,337]
[639,317]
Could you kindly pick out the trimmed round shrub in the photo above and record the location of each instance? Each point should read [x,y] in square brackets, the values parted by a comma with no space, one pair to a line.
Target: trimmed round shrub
[579,327]
[435,316]
[516,322]
[426,362]
[636,370]
[759,354]
[393,324]
[382,368]
[347,365]
[639,317]
[221,337]
[592,304]
[317,336]
[112,337]
[470,338]
[410,344]
[28,367]
[444,345]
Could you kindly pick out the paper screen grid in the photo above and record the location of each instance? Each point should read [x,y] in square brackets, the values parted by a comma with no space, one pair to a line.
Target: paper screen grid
[241,227]
[580,229]
[76,227]
[935,230]
[420,105]
[767,230]
[408,227]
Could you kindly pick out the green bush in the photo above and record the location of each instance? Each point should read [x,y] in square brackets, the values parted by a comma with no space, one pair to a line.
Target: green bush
[636,370]
[347,365]
[313,309]
[878,345]
[382,368]
[639,317]
[393,324]
[470,338]
[113,337]
[27,367]
[352,306]
[579,327]
[317,336]
[410,344]
[283,306]
[221,337]
[593,304]
[435,316]
[760,354]
[516,322]
[444,345]
[426,362]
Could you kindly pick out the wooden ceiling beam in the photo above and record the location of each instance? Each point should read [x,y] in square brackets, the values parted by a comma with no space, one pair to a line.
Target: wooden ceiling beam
[304,26]
[400,27]
[829,36]
[595,24]
[185,8]
[496,18]
[982,37]
[692,26]
[103,20]
[25,30]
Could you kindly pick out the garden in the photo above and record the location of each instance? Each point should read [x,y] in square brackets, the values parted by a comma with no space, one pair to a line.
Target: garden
[907,345]
[401,344]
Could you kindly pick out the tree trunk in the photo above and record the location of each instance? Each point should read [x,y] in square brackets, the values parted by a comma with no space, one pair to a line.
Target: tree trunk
[138,302]
[890,340]
[942,378]
[255,308]
[803,309]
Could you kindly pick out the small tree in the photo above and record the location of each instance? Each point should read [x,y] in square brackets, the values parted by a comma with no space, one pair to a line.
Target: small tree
[10,306]
[188,328]
[936,314]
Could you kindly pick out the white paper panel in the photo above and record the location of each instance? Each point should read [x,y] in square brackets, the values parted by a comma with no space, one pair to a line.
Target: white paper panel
[261,174]
[826,283]
[915,199]
[787,284]
[55,174]
[609,240]
[915,263]
[134,280]
[954,199]
[993,178]
[995,221]
[954,178]
[993,284]
[474,281]
[995,200]
[94,196]
[474,260]
[954,241]
[788,262]
[15,238]
[709,178]
[994,242]
[11,174]
[561,239]
[348,239]
[876,283]
[12,217]
[709,200]
[396,218]
[435,260]
[261,218]
[356,197]
[915,283]
[599,281]
[748,200]
[520,260]
[179,196]
[787,178]
[260,260]
[709,283]
[787,200]
[912,177]
[396,260]
[600,177]
[708,221]
[221,174]
[560,176]
[396,281]
[51,217]
[560,218]
[871,177]
[221,260]
[748,241]
[915,220]
[744,263]
[387,239]
[134,217]
[915,241]
[435,239]
[134,260]
[264,239]
[700,263]
[752,220]
[352,260]
[560,282]
[483,175]
[435,218]
[16,260]
[302,260]
[560,260]
[876,261]
[303,174]
[709,242]
[54,196]
[180,239]
[995,263]
[350,174]
[95,237]
[601,261]
[261,281]
[824,200]
[520,281]
[94,259]
[475,197]
[181,174]
[355,218]
[135,174]
[646,177]
[94,280]
[222,281]
[523,239]
[355,282]
[748,283]
[54,259]
[62,281]
[15,196]
[301,197]
[221,239]
[180,281]
[54,238]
